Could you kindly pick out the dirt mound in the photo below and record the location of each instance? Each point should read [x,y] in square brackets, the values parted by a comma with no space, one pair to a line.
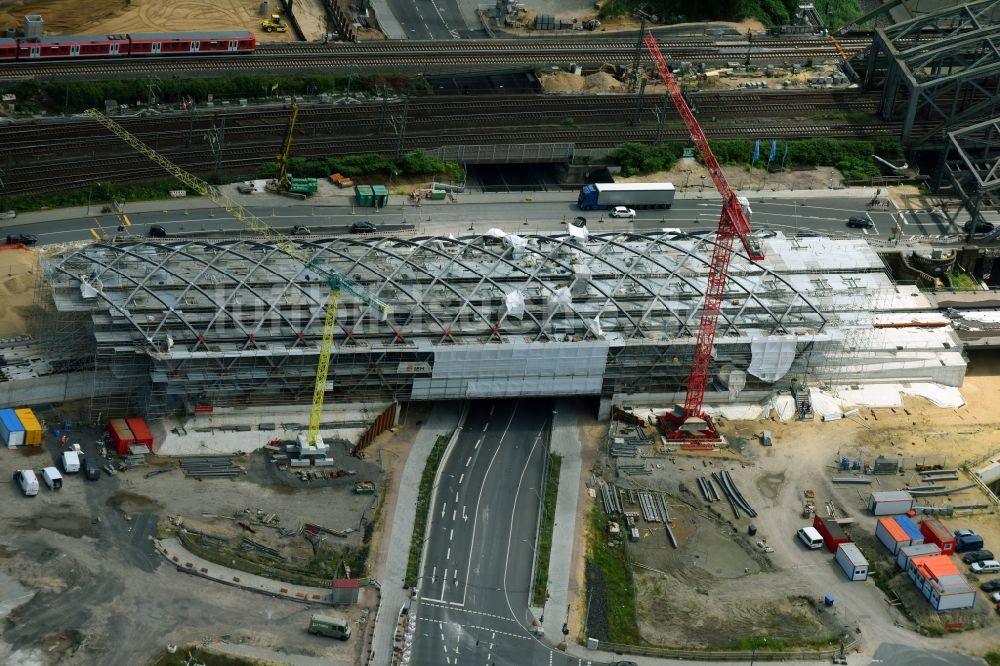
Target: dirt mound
[603,82]
[17,290]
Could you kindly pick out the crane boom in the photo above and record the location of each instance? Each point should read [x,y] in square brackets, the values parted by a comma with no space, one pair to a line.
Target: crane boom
[284,181]
[733,224]
[334,278]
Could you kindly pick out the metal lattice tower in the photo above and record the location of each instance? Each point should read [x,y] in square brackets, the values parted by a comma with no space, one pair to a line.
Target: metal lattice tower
[970,168]
[938,71]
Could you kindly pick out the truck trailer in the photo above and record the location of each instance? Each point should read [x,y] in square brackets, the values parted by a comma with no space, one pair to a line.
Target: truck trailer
[600,196]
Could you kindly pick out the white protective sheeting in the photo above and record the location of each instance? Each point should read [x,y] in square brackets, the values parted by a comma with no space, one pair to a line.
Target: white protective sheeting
[578,232]
[737,382]
[514,302]
[516,243]
[941,396]
[772,356]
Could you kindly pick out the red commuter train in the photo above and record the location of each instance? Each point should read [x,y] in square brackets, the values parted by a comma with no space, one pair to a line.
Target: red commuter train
[124,46]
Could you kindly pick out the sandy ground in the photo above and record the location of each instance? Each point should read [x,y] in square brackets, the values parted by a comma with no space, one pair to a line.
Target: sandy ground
[605,82]
[68,17]
[687,175]
[717,564]
[18,269]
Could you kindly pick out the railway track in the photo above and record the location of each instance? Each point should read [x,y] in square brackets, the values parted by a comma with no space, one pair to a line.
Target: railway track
[410,56]
[87,168]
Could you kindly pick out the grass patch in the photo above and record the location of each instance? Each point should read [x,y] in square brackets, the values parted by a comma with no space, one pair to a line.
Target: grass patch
[616,568]
[538,594]
[97,196]
[423,508]
[784,644]
[962,281]
[992,657]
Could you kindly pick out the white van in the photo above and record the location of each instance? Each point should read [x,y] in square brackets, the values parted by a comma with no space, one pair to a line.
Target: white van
[70,462]
[985,567]
[27,481]
[330,625]
[52,478]
[811,537]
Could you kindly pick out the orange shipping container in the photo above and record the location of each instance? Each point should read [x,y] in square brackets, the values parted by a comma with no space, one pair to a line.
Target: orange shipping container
[32,428]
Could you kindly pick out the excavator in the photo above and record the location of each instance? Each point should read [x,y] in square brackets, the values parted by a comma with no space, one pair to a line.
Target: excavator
[283,183]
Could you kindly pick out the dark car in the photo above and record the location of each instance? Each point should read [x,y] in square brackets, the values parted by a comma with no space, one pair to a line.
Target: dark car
[859,223]
[363,228]
[156,231]
[623,663]
[299,230]
[977,556]
[990,585]
[981,227]
[580,222]
[23,239]
[91,469]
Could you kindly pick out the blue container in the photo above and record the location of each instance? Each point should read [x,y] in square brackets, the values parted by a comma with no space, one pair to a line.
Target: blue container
[828,600]
[910,528]
[56,432]
[11,430]
[857,463]
[845,463]
[68,425]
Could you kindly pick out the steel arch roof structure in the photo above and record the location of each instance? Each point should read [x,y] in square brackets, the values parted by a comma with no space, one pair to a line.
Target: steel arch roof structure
[247,295]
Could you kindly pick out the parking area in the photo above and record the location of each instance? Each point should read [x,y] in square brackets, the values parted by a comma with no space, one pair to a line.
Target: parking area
[82,583]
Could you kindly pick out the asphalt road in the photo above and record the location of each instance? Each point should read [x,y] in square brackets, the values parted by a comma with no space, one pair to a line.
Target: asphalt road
[431,19]
[821,215]
[472,605]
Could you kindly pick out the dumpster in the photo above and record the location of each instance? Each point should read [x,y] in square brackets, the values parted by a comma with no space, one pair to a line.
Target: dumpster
[363,195]
[380,196]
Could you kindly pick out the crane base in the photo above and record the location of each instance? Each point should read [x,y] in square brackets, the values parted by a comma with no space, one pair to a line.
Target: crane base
[690,434]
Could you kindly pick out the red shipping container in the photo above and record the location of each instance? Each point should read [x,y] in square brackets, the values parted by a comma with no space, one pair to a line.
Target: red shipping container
[121,435]
[141,432]
[832,533]
[935,532]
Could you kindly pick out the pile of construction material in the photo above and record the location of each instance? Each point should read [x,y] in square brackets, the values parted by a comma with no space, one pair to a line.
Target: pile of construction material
[736,500]
[209,467]
[609,495]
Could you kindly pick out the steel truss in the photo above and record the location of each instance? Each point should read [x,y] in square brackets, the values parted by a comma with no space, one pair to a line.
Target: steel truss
[970,168]
[939,70]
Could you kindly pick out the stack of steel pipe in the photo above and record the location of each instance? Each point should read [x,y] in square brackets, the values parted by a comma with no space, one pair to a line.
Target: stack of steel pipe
[610,498]
[210,467]
[649,509]
[663,509]
[708,490]
[619,450]
[632,469]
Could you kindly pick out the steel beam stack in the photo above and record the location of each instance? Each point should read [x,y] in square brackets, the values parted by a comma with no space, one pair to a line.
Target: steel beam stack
[210,467]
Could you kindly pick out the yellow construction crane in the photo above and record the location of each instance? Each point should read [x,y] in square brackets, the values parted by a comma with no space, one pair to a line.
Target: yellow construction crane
[336,280]
[283,182]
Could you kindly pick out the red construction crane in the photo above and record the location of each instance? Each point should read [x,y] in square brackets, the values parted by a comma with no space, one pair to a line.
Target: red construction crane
[693,425]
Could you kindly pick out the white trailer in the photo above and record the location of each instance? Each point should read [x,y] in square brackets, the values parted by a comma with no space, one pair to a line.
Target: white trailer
[851,560]
[891,503]
[600,196]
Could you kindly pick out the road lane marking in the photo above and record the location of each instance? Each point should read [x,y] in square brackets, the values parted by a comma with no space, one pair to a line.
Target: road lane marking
[456,495]
[493,631]
[453,512]
[434,575]
[475,514]
[478,442]
[486,427]
[443,505]
[447,556]
[451,535]
[460,479]
[464,517]
[468,461]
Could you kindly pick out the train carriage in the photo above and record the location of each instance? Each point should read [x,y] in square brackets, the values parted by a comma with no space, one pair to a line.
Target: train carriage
[191,42]
[73,46]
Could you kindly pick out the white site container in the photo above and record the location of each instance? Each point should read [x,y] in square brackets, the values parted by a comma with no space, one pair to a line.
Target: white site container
[851,560]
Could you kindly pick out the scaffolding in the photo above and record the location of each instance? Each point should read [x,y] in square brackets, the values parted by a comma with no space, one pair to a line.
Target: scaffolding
[181,325]
[938,71]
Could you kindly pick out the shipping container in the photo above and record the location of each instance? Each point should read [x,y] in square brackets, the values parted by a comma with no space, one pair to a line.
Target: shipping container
[935,532]
[380,196]
[121,436]
[851,560]
[890,503]
[11,430]
[832,533]
[892,535]
[911,529]
[140,432]
[363,195]
[907,553]
[438,195]
[32,428]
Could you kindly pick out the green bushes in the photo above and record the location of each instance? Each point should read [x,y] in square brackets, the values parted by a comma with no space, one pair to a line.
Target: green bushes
[636,158]
[417,162]
[423,507]
[538,594]
[75,96]
[852,158]
[97,196]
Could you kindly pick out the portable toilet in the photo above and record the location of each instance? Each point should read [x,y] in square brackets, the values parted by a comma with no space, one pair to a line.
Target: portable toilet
[380,196]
